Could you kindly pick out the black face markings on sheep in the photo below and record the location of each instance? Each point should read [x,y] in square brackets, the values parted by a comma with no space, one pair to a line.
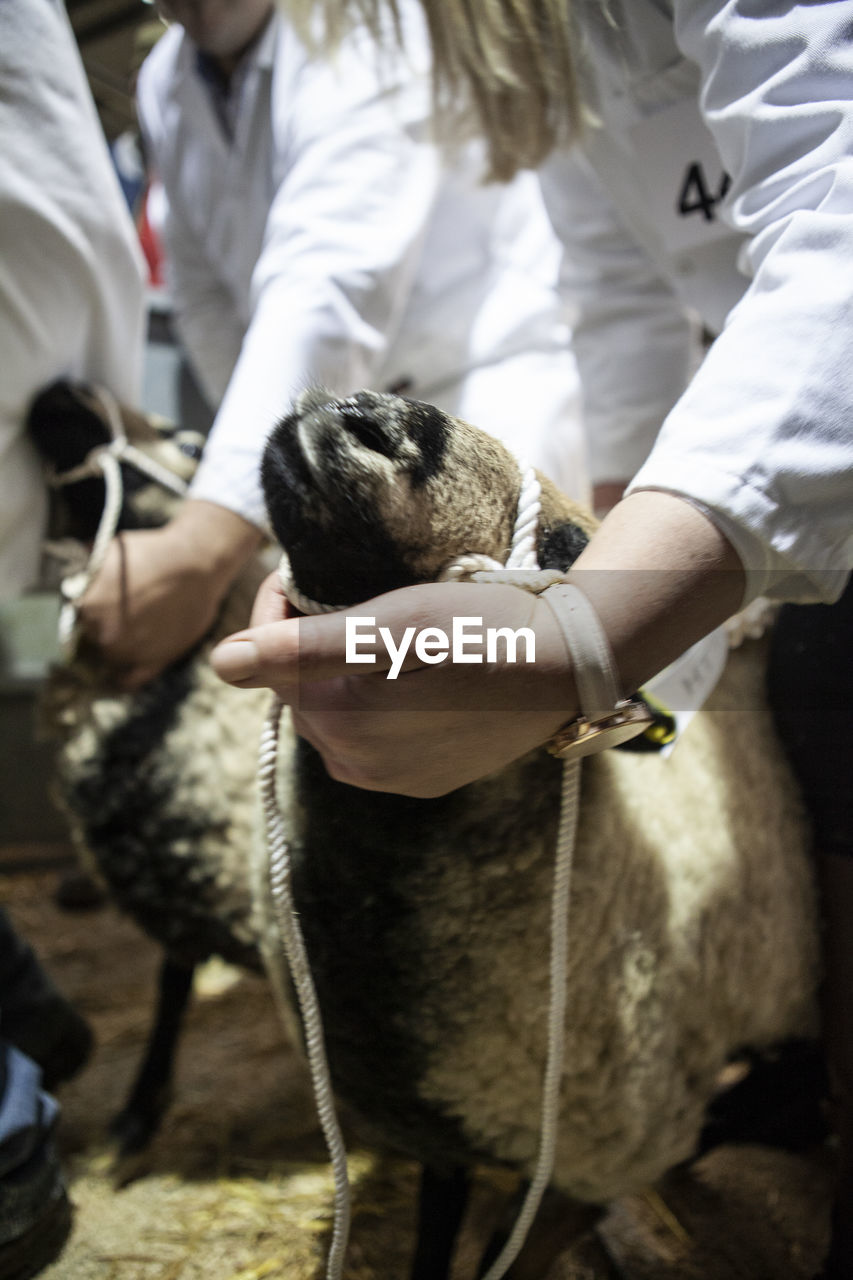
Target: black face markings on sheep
[560,545]
[64,426]
[66,421]
[316,469]
[428,427]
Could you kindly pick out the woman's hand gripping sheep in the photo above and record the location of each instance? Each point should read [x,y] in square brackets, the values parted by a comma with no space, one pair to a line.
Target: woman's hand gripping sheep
[430,729]
[659,574]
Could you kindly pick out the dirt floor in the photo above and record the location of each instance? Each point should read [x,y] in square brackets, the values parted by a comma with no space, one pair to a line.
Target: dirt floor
[236,1185]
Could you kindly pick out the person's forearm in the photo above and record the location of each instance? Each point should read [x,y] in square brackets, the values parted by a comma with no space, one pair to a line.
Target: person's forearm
[660,575]
[222,539]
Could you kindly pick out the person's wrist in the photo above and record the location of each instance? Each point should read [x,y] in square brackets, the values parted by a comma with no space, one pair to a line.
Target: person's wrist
[216,540]
[556,690]
[606,718]
[660,575]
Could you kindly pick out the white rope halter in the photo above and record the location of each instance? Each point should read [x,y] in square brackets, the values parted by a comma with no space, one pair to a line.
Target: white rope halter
[520,570]
[104,460]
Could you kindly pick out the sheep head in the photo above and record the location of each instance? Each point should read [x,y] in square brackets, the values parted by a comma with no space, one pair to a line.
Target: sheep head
[68,420]
[376,491]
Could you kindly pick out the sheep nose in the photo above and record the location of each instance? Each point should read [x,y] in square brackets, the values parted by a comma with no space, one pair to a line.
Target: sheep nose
[367,425]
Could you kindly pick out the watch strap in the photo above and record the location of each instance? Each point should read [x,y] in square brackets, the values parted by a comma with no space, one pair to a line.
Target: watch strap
[593,665]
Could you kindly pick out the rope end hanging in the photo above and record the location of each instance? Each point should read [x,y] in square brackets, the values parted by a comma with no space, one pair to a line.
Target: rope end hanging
[287,923]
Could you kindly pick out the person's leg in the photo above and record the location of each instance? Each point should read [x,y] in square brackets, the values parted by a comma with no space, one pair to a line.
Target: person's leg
[35,1214]
[72,292]
[811,693]
[35,1016]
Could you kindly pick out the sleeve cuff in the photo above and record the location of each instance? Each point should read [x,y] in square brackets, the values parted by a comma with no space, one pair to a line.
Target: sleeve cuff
[779,563]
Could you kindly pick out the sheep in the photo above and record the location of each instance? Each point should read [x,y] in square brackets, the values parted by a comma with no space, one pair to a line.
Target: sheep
[165,838]
[692,930]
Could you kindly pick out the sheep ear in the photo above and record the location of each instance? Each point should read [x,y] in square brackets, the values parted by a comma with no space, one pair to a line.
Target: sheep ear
[560,545]
[311,398]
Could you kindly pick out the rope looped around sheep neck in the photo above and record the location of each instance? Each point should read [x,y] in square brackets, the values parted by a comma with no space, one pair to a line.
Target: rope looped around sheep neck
[522,558]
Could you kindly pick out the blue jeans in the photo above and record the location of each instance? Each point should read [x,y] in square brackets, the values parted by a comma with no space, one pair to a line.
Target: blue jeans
[30,1176]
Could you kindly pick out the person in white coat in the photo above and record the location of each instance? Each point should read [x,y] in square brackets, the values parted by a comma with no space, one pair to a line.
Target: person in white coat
[71,278]
[712,172]
[314,235]
[748,488]
[71,304]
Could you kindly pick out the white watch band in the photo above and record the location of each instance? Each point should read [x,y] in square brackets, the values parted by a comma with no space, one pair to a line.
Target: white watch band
[592,659]
[606,719]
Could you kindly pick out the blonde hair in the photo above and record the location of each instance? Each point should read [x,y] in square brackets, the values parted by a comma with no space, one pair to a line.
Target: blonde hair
[509,64]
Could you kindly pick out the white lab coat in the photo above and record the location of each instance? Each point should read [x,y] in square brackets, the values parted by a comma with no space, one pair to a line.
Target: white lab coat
[71,274]
[762,440]
[324,244]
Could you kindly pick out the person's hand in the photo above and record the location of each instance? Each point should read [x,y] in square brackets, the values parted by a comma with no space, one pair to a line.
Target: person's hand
[159,590]
[434,727]
[658,572]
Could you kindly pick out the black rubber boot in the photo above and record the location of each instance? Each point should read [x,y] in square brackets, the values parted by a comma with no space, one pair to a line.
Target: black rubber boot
[35,1214]
[28,1252]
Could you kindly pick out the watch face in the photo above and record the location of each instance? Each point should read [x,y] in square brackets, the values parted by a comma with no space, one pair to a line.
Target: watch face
[587,737]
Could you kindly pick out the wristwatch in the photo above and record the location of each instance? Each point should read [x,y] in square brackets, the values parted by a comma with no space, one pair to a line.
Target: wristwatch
[607,719]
